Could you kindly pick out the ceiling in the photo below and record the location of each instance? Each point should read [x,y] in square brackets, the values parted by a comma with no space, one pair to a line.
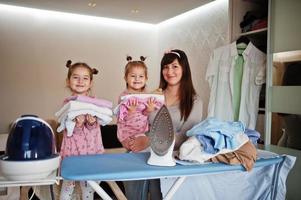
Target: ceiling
[147,11]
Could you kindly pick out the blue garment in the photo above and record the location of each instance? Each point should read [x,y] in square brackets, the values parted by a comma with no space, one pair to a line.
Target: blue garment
[215,135]
[253,135]
[207,143]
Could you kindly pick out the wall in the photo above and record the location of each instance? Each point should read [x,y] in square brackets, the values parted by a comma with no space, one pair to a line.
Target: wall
[198,33]
[35,45]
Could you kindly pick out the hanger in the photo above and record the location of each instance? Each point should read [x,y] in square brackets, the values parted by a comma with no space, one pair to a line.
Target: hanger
[242,39]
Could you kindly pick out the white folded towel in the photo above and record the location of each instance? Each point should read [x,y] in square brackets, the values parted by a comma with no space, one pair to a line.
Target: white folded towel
[70,110]
[192,150]
[68,123]
[76,105]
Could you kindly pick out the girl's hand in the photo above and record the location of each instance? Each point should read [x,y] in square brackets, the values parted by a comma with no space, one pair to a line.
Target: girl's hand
[151,105]
[139,143]
[132,105]
[90,119]
[80,120]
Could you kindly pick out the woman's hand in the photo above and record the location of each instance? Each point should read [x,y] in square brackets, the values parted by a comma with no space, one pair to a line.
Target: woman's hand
[90,119]
[139,143]
[132,105]
[125,144]
[80,120]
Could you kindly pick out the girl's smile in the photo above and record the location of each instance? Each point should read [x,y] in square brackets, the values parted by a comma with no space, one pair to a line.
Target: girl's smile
[136,79]
[80,82]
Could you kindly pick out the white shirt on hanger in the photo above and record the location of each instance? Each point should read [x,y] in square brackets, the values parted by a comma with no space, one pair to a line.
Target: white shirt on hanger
[220,77]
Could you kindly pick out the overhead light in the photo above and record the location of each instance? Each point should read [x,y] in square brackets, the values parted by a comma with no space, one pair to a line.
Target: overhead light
[48,14]
[92,4]
[135,11]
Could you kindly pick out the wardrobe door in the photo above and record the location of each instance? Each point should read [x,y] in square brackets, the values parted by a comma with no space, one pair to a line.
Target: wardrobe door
[284,76]
[283,94]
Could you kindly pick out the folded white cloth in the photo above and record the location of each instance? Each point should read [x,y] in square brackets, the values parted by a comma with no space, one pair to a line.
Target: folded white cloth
[76,105]
[70,110]
[101,112]
[192,149]
[68,123]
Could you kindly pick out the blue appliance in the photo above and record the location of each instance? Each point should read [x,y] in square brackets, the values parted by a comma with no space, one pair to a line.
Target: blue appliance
[30,138]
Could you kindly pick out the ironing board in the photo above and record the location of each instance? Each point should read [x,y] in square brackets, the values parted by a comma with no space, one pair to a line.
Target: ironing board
[133,166]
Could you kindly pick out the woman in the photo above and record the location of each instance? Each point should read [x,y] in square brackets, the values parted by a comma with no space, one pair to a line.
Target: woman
[183,104]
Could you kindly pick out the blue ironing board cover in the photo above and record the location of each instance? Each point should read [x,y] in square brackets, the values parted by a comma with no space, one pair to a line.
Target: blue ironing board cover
[133,166]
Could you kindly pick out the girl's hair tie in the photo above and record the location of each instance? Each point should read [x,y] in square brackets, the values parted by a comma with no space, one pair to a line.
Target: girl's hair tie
[142,58]
[68,64]
[129,58]
[94,71]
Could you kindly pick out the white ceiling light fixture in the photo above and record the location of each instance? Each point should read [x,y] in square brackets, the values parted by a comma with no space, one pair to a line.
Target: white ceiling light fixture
[92,4]
[53,15]
[154,11]
[135,11]
[104,20]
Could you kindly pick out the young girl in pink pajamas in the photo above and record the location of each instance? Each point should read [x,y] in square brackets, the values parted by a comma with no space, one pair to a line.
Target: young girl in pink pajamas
[132,128]
[86,136]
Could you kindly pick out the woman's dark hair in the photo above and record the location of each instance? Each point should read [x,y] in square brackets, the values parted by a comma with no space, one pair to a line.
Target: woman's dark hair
[186,91]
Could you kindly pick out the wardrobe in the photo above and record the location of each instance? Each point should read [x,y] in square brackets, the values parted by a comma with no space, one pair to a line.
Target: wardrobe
[280,99]
[280,35]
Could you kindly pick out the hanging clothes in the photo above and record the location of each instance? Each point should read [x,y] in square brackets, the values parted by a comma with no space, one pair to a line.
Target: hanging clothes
[220,75]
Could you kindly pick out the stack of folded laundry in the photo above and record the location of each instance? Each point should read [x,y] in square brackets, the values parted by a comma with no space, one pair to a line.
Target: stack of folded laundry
[213,140]
[82,105]
[253,21]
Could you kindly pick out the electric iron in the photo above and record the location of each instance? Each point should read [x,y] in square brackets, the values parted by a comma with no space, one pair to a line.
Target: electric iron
[162,140]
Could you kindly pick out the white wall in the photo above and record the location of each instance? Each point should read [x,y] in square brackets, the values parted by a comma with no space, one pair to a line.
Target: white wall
[198,33]
[35,45]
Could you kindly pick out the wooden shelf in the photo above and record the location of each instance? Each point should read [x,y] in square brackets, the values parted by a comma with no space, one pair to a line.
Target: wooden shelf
[284,57]
[262,30]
